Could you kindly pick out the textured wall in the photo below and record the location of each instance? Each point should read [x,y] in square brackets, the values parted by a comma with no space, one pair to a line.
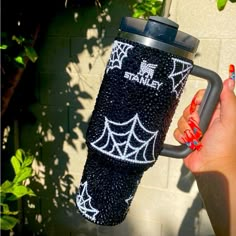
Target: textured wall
[72,59]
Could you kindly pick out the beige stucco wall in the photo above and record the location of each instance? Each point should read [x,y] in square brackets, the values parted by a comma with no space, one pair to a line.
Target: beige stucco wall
[72,59]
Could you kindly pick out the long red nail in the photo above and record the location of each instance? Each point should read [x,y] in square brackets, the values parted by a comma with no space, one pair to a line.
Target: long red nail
[191,141]
[193,105]
[231,72]
[195,128]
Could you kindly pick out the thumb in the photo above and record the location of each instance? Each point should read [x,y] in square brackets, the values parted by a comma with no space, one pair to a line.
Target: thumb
[228,102]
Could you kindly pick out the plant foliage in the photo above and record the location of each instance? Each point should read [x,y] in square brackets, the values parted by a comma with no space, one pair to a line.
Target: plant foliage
[146,8]
[15,189]
[222,3]
[15,49]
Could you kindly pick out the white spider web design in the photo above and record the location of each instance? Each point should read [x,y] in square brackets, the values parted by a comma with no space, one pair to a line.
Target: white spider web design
[123,141]
[83,201]
[179,73]
[129,199]
[119,52]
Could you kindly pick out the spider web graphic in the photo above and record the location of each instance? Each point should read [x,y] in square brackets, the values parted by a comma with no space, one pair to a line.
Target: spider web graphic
[83,201]
[178,75]
[129,199]
[119,52]
[123,141]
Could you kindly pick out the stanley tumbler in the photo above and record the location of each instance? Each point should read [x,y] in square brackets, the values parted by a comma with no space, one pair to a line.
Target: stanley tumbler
[142,84]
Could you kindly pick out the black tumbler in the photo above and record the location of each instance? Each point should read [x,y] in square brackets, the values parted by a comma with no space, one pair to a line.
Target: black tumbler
[142,84]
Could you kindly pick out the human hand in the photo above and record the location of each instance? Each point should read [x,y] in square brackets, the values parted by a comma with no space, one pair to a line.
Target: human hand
[217,150]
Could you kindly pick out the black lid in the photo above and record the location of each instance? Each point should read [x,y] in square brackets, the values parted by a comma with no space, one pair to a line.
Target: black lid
[162,30]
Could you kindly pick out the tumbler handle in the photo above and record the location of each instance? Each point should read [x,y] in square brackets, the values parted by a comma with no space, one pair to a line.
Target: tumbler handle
[206,110]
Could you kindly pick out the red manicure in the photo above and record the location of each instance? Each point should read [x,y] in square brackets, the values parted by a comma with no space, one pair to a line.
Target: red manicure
[231,72]
[191,138]
[191,141]
[193,105]
[195,128]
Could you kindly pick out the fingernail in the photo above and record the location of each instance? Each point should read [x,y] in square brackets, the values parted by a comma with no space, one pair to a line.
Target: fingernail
[193,105]
[191,141]
[195,127]
[232,72]
[231,82]
[198,146]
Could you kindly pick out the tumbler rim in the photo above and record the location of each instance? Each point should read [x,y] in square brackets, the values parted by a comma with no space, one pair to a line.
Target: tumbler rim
[149,42]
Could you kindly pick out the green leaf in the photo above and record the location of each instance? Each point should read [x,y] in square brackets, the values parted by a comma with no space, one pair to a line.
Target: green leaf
[31,53]
[153,11]
[20,154]
[16,164]
[19,39]
[138,13]
[8,222]
[20,191]
[5,207]
[221,4]
[19,59]
[27,161]
[6,210]
[23,174]
[3,47]
[2,197]
[146,8]
[6,186]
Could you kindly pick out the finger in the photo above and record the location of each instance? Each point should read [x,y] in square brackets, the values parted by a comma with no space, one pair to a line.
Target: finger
[186,112]
[196,101]
[187,124]
[228,102]
[187,115]
[178,136]
[183,124]
[190,119]
[194,105]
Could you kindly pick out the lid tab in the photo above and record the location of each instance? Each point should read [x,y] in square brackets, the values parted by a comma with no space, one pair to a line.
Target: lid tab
[161,28]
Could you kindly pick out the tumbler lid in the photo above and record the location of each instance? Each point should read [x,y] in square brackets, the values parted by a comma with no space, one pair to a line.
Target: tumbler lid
[159,32]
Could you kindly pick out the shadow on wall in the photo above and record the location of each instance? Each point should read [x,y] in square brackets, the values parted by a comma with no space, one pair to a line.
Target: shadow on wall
[192,222]
[66,87]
